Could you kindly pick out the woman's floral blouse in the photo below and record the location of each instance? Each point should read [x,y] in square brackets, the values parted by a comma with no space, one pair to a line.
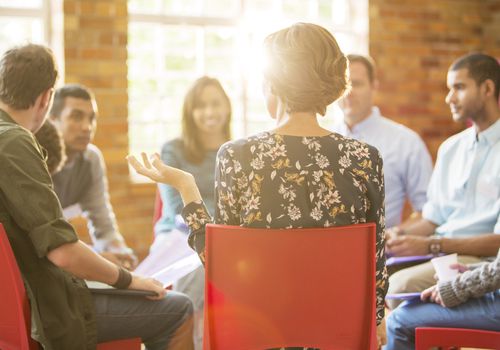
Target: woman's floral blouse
[280,181]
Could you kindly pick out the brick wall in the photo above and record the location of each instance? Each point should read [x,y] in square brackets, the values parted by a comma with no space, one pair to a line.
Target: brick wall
[95,49]
[413,43]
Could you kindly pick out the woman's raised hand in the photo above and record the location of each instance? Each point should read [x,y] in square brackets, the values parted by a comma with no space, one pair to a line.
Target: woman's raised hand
[158,171]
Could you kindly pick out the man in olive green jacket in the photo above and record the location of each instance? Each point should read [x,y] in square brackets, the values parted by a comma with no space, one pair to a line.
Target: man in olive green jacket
[52,260]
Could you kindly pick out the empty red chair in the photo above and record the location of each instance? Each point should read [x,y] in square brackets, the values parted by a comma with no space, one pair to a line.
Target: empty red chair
[428,337]
[269,288]
[15,310]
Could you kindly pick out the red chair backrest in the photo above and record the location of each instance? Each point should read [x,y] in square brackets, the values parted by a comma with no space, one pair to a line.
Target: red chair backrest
[15,309]
[157,208]
[14,315]
[430,337]
[269,288]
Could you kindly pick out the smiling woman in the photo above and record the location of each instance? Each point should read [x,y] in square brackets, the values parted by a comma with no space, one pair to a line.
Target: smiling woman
[206,117]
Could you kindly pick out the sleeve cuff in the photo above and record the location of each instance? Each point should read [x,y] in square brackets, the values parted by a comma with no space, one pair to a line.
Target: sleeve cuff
[51,235]
[429,212]
[496,229]
[196,216]
[448,295]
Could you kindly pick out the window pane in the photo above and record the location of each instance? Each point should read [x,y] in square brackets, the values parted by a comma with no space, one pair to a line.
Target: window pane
[221,8]
[183,7]
[341,11]
[325,10]
[21,4]
[295,9]
[162,64]
[164,60]
[145,6]
[220,52]
[261,6]
[20,30]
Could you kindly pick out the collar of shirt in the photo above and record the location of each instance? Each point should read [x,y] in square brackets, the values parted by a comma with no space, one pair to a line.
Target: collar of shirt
[487,137]
[6,117]
[359,129]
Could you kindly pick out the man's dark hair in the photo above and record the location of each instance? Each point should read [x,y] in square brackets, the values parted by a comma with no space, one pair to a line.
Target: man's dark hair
[51,140]
[26,72]
[366,61]
[69,90]
[481,67]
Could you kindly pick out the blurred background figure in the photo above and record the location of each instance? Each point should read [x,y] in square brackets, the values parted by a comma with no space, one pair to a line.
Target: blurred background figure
[407,162]
[206,118]
[51,140]
[82,182]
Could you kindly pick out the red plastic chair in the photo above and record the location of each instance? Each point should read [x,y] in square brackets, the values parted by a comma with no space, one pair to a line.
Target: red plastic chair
[15,312]
[268,288]
[157,208]
[428,337]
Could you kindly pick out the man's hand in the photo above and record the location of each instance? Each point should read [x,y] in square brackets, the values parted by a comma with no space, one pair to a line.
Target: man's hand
[150,284]
[117,252]
[408,245]
[125,260]
[432,294]
[393,232]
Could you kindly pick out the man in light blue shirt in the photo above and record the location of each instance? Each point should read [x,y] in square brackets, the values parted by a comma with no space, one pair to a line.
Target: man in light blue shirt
[463,206]
[407,163]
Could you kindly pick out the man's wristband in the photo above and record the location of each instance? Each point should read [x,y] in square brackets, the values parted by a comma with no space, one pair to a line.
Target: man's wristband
[124,279]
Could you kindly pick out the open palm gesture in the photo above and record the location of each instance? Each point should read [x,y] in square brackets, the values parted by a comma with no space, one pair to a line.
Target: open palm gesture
[158,171]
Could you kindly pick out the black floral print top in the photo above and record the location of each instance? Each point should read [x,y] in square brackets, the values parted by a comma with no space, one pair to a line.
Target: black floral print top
[279,181]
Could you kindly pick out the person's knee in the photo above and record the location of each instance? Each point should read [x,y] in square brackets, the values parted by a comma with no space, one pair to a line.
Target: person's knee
[182,304]
[401,282]
[396,321]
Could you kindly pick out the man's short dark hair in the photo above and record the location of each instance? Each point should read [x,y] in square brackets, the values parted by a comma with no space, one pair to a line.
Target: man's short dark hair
[26,72]
[366,61]
[50,138]
[481,67]
[69,90]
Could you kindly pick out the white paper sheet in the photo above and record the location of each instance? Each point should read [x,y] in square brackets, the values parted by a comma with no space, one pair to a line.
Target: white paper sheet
[170,258]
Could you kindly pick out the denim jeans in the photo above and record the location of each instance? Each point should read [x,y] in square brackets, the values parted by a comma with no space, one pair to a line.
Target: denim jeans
[193,285]
[481,313]
[161,324]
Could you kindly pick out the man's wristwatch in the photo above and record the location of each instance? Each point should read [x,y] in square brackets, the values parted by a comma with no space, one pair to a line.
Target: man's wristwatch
[435,245]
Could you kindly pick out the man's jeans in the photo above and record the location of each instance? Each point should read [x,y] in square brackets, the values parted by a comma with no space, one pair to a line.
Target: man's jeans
[161,324]
[481,313]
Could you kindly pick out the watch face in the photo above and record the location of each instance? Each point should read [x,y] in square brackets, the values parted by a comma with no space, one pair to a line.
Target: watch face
[435,248]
